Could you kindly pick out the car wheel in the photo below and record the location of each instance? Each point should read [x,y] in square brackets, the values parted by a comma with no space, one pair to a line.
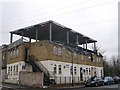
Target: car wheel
[96,84]
[103,84]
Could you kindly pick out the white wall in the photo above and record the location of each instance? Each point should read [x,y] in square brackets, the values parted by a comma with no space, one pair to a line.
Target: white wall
[49,64]
[64,77]
[21,67]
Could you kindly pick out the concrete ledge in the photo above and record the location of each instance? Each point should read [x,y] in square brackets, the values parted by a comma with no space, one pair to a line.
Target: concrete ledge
[11,81]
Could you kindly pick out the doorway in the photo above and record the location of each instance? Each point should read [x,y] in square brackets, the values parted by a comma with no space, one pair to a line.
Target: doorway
[81,74]
[26,53]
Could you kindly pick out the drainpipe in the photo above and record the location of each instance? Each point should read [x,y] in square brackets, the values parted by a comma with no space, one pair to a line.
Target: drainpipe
[11,38]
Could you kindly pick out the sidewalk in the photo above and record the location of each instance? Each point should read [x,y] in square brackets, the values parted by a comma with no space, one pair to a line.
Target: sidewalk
[70,87]
[7,86]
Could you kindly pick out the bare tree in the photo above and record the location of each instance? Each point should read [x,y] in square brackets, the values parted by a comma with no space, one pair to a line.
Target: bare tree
[98,48]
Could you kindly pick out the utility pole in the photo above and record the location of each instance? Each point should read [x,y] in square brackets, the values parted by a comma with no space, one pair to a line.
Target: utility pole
[72,67]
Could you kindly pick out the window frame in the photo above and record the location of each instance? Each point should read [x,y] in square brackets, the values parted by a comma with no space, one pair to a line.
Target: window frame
[60,69]
[55,50]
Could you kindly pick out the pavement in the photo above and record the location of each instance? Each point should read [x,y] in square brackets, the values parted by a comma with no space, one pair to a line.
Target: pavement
[7,86]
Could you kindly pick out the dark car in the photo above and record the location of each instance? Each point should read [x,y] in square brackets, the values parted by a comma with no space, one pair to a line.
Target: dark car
[108,80]
[94,81]
[116,79]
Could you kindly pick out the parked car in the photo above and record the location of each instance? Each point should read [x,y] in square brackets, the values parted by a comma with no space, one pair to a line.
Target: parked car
[116,79]
[94,81]
[108,80]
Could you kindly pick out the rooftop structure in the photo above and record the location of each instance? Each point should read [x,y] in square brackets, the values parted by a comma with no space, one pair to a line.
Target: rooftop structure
[53,31]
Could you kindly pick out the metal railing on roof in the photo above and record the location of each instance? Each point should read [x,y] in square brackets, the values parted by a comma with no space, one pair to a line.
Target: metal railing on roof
[16,43]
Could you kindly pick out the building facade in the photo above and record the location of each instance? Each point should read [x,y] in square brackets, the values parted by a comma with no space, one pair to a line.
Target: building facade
[56,52]
[3,62]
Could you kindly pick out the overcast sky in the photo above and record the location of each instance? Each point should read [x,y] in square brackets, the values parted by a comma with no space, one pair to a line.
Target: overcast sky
[97,19]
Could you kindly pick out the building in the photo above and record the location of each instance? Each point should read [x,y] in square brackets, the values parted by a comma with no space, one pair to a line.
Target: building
[3,62]
[60,53]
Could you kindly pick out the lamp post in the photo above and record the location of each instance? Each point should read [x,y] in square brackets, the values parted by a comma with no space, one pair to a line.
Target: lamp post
[72,66]
[72,50]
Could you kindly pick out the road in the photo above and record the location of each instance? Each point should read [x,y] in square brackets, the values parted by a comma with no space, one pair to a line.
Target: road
[107,87]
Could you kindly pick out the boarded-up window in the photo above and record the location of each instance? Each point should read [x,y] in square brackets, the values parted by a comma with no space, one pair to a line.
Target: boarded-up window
[68,54]
[54,50]
[75,55]
[59,51]
[11,54]
[17,52]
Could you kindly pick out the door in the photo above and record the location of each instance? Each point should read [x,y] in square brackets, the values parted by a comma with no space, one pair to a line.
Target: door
[26,54]
[81,74]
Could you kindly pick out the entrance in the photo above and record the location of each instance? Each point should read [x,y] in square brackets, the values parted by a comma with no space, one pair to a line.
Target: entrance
[81,74]
[26,54]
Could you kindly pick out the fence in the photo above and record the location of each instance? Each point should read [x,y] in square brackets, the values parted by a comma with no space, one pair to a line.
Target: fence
[67,80]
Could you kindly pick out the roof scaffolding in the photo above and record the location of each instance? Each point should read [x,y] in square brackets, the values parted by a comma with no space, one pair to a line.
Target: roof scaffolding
[53,31]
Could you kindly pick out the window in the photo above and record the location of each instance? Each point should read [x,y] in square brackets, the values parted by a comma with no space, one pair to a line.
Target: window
[16,69]
[59,51]
[8,70]
[82,57]
[11,70]
[54,50]
[55,69]
[101,72]
[89,71]
[17,52]
[75,55]
[75,71]
[86,70]
[60,70]
[68,54]
[10,54]
[14,53]
[71,70]
[99,59]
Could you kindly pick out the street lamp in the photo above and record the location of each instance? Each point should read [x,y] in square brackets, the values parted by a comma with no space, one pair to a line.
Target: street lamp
[72,50]
[72,66]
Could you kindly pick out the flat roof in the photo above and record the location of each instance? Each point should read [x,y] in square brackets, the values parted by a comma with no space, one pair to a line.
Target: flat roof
[59,33]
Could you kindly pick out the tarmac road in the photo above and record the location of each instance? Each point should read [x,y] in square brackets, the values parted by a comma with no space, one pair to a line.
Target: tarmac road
[16,87]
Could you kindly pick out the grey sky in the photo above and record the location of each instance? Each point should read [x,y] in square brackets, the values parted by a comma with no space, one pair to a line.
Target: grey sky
[97,19]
